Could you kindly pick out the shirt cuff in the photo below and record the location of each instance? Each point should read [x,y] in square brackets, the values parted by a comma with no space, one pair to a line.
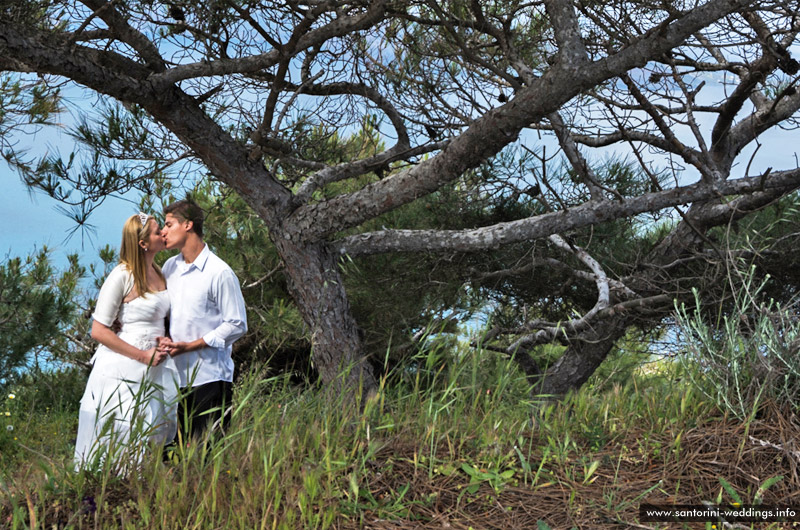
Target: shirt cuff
[213,340]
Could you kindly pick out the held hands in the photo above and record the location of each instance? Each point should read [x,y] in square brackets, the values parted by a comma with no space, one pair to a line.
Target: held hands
[154,356]
[168,347]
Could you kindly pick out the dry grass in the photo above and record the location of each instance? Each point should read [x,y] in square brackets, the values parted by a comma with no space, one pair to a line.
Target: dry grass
[627,471]
[464,448]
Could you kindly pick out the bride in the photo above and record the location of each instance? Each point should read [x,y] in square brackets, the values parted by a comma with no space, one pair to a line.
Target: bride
[131,393]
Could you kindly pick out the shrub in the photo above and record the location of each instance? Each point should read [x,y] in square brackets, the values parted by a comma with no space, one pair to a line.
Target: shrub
[747,355]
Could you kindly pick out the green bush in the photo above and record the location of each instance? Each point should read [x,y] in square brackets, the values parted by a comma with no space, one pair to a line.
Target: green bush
[39,415]
[746,355]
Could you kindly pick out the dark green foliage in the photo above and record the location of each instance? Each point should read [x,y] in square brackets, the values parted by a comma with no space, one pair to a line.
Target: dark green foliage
[36,303]
[26,12]
[766,242]
[241,239]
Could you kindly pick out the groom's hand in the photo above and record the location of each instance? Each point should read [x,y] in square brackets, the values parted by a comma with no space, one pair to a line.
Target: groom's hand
[177,348]
[166,345]
[163,344]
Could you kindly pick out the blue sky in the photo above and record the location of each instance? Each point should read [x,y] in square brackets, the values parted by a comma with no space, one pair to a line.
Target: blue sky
[31,219]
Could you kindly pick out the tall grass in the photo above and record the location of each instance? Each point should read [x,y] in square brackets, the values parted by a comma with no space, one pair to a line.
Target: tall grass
[298,458]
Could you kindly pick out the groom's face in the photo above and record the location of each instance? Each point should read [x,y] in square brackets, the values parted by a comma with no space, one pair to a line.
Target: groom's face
[175,231]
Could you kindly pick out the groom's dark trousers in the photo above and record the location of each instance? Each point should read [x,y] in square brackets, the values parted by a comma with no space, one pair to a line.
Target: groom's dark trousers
[202,407]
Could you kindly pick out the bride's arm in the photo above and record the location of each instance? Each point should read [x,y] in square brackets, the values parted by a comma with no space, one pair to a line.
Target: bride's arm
[105,336]
[117,285]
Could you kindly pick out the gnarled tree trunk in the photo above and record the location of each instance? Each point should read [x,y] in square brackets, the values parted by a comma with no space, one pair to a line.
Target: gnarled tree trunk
[318,290]
[581,359]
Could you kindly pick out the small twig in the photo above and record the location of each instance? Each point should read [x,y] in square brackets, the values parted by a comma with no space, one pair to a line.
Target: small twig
[764,443]
[72,40]
[264,278]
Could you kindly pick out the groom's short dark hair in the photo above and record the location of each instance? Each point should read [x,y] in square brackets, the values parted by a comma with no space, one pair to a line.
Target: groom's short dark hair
[188,210]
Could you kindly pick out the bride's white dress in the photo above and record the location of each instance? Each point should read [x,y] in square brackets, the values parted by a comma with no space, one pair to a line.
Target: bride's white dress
[127,403]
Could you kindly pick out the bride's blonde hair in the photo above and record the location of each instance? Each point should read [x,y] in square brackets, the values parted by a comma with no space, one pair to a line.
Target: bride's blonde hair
[132,255]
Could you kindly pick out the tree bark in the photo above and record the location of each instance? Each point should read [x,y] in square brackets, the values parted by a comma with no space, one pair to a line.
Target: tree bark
[582,358]
[317,287]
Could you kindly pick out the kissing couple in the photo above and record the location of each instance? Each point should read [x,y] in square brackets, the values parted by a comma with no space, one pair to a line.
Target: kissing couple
[132,396]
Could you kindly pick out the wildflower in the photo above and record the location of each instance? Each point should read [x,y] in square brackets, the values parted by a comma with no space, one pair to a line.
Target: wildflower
[89,505]
[8,413]
[11,396]
[9,428]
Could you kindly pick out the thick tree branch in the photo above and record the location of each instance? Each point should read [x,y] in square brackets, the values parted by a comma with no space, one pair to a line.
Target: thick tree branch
[475,145]
[587,214]
[567,31]
[749,128]
[734,103]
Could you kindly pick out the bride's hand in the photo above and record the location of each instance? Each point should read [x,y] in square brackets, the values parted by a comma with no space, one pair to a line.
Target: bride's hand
[154,356]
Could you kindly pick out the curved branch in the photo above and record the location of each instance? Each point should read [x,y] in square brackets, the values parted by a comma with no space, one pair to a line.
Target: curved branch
[627,135]
[558,222]
[348,170]
[747,130]
[564,331]
[497,128]
[736,100]
[600,275]
[127,34]
[360,89]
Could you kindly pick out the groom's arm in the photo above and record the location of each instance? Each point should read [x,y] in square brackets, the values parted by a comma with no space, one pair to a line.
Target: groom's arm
[231,306]
[177,348]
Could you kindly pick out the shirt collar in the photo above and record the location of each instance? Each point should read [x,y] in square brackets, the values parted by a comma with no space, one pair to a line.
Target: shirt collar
[199,262]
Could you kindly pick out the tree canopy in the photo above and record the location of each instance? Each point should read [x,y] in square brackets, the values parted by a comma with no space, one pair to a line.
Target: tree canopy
[458,95]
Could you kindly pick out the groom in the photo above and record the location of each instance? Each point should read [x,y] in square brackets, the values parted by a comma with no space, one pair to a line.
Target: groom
[207,314]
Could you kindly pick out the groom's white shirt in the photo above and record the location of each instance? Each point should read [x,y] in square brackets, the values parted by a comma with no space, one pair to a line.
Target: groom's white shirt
[205,301]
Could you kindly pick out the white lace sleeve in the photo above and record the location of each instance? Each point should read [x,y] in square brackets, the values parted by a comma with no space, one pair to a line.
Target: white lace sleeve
[114,290]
